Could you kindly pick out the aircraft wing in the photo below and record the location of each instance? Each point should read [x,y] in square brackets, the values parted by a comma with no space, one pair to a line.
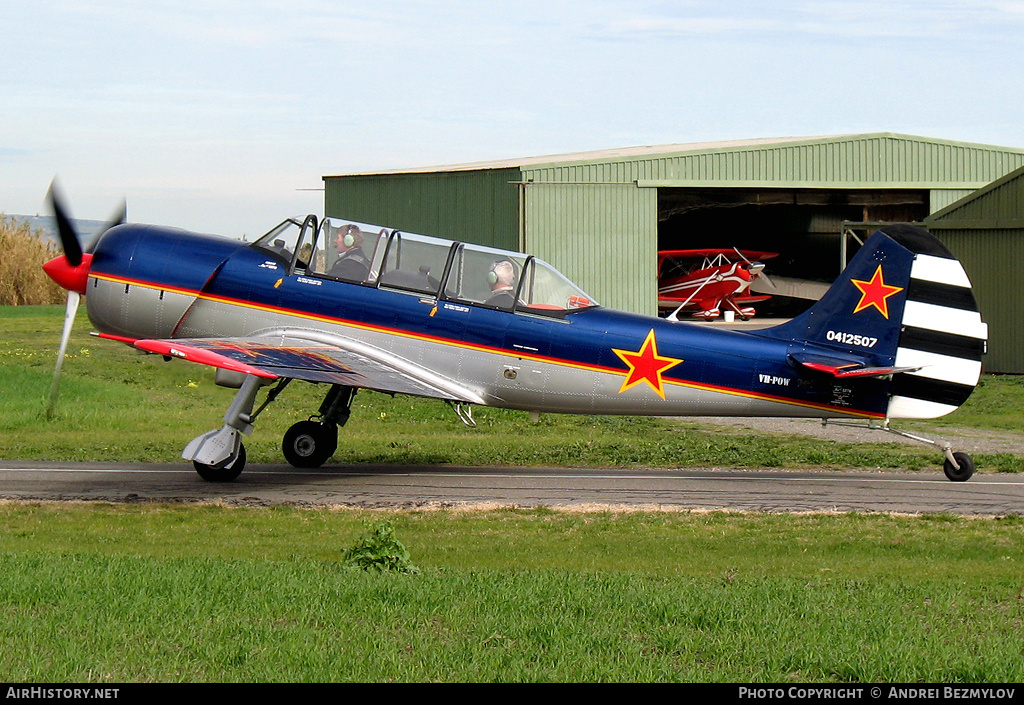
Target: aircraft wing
[313,357]
[752,255]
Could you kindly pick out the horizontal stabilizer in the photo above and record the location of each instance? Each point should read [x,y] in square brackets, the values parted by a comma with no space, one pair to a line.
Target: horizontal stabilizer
[840,368]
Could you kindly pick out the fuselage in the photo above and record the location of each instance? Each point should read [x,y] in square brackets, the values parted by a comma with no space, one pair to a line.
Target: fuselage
[147,282]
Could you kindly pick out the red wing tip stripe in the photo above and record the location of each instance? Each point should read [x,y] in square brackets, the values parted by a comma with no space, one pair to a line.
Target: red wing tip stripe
[205,357]
[118,338]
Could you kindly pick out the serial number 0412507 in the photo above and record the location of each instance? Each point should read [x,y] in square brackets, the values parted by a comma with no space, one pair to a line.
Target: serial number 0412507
[851,339]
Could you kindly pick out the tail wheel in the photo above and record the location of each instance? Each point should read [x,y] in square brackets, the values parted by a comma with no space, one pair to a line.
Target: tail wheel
[966,464]
[225,474]
[308,444]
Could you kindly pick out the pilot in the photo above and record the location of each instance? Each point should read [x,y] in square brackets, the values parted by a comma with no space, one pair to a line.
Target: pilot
[501,278]
[352,264]
[280,248]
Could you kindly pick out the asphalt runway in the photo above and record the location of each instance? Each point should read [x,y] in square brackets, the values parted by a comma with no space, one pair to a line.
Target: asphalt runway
[442,486]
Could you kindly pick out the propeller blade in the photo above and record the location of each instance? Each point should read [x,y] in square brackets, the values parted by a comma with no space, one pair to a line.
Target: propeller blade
[68,237]
[69,319]
[742,256]
[763,284]
[759,281]
[118,218]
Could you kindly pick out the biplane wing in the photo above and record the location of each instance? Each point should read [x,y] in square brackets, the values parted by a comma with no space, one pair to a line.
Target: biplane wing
[752,255]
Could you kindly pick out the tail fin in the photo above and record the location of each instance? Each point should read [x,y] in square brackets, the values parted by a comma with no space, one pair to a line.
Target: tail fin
[904,303]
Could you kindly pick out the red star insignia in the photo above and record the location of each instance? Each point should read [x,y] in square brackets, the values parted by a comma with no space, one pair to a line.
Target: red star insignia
[646,365]
[246,349]
[875,293]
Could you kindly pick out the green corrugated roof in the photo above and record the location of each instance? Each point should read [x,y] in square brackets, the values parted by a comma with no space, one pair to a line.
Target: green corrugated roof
[804,147]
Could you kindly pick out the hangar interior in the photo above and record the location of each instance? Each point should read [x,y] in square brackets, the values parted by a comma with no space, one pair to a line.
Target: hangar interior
[803,226]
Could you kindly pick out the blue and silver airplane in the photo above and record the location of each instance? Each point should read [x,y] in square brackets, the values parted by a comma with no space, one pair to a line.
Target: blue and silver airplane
[357,306]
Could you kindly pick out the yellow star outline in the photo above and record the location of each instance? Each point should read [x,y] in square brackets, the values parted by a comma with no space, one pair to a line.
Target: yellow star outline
[646,365]
[875,293]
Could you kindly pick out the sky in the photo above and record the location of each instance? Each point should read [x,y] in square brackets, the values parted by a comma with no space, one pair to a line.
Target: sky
[222,116]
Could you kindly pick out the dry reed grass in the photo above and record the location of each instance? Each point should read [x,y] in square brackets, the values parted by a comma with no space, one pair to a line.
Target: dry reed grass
[22,254]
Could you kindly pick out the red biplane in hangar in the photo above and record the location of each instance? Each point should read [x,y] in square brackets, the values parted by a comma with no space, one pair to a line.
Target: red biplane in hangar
[354,306]
[709,281]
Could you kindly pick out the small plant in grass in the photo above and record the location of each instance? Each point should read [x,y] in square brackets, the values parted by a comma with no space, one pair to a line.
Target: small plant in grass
[380,550]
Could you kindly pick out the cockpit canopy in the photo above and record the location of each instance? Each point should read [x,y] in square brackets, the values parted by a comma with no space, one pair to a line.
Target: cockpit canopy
[372,255]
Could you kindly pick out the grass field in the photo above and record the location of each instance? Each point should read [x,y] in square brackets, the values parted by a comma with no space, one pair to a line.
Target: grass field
[159,593]
[102,593]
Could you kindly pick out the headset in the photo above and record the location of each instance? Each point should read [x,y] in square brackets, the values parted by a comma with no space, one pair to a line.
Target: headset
[492,276]
[349,238]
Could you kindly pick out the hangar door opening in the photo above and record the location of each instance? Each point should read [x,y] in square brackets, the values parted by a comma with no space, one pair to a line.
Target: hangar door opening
[801,226]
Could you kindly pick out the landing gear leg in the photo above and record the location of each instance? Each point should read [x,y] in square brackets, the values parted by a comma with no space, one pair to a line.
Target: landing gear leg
[958,466]
[308,444]
[219,456]
[731,305]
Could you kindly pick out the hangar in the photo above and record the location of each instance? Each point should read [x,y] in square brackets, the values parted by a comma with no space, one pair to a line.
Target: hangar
[601,217]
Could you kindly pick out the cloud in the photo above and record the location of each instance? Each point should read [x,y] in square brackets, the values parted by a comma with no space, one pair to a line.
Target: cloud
[646,25]
[837,20]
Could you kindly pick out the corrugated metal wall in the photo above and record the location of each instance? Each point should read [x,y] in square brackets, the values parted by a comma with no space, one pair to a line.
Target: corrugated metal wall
[992,259]
[477,206]
[986,232]
[1002,201]
[604,237]
[940,198]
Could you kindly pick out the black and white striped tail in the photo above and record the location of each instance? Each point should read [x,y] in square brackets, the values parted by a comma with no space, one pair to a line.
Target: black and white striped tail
[942,332]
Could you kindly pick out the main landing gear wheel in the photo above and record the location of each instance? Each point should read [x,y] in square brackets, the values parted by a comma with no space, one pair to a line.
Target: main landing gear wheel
[225,474]
[308,444]
[966,464]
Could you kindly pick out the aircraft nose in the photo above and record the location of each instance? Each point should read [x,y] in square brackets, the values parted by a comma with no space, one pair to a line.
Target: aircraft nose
[68,276]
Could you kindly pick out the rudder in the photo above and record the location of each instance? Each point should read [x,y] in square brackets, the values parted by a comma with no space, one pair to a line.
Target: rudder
[942,331]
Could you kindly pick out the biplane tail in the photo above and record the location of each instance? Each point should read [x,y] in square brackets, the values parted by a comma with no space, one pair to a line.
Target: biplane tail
[904,308]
